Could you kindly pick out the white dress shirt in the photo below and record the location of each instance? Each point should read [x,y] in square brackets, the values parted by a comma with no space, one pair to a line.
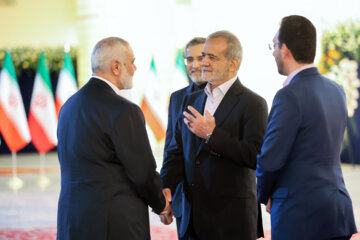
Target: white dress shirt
[292,75]
[115,88]
[215,96]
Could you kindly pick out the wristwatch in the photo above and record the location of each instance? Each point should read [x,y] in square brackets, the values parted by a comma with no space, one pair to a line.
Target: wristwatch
[207,138]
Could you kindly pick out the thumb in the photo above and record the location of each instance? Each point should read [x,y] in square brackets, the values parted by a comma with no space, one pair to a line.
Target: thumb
[167,194]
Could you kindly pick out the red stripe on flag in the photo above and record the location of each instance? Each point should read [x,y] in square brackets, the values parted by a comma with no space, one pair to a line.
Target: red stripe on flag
[58,106]
[39,138]
[152,121]
[12,137]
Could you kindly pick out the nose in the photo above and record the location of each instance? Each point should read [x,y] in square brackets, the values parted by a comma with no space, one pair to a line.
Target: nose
[196,63]
[205,61]
[135,67]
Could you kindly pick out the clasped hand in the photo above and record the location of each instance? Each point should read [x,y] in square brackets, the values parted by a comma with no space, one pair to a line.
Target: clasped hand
[166,216]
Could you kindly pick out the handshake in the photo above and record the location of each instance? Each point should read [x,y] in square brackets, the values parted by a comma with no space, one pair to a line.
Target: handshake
[166,216]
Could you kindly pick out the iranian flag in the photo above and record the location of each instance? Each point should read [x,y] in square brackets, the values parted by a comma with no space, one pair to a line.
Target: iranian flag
[66,85]
[13,122]
[154,104]
[180,78]
[42,115]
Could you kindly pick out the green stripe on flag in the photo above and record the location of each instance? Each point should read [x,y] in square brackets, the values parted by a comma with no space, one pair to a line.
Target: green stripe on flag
[152,66]
[68,65]
[9,66]
[180,61]
[43,71]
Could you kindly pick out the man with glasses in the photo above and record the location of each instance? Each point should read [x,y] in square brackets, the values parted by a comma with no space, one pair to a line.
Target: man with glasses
[192,60]
[213,151]
[298,172]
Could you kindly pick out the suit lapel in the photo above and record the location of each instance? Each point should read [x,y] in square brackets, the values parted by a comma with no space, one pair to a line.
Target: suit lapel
[224,109]
[199,105]
[229,101]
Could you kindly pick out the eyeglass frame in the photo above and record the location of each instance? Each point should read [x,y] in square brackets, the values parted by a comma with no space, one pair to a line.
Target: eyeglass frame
[274,45]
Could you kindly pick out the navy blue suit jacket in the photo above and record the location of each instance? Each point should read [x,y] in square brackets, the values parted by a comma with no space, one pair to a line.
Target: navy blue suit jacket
[219,177]
[108,175]
[299,165]
[175,111]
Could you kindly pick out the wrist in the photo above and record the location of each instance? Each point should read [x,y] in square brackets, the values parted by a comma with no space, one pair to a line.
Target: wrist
[207,138]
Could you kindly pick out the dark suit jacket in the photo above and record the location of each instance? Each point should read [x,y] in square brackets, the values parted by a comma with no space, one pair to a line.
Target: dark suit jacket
[299,165]
[219,177]
[108,175]
[175,111]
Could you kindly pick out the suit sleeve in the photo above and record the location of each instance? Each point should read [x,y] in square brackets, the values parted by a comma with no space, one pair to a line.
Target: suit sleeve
[133,149]
[242,149]
[172,170]
[171,123]
[283,124]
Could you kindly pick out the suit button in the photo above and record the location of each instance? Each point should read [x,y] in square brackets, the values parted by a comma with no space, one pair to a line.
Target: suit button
[193,184]
[197,162]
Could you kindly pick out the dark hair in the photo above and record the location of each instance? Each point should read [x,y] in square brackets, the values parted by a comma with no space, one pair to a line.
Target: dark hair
[299,35]
[195,41]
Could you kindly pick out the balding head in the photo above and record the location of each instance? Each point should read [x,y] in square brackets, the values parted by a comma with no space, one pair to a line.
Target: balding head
[105,51]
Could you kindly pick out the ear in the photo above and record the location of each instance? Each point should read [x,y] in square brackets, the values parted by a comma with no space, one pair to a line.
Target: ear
[285,51]
[234,64]
[116,67]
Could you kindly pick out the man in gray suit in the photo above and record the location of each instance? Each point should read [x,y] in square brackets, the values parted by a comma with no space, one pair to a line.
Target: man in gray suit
[108,176]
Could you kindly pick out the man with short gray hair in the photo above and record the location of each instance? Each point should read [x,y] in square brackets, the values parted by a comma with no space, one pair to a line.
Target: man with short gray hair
[214,149]
[108,176]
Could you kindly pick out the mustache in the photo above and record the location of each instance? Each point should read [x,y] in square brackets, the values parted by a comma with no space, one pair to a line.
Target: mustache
[195,70]
[205,69]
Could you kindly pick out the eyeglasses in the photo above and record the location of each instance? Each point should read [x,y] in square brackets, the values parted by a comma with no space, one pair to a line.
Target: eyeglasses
[190,60]
[273,46]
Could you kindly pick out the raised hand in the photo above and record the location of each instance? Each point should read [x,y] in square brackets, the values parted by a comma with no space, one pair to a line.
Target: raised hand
[198,124]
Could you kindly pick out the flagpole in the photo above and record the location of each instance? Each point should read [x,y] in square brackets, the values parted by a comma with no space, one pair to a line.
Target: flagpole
[43,181]
[14,164]
[15,183]
[42,162]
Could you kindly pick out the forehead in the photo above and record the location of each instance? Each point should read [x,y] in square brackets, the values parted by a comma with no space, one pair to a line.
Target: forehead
[276,37]
[215,46]
[129,52]
[194,50]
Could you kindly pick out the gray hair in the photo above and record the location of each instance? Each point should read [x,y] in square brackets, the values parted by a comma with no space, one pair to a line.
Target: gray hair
[195,41]
[105,51]
[234,49]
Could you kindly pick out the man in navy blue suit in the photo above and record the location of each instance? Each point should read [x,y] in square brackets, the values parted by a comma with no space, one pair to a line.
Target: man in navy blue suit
[213,151]
[299,174]
[193,60]
[108,176]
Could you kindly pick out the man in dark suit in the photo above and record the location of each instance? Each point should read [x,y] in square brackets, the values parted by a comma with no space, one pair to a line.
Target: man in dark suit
[193,60]
[215,155]
[108,176]
[298,171]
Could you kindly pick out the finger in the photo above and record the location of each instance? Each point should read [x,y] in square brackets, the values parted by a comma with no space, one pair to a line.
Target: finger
[187,122]
[189,116]
[170,220]
[194,111]
[208,115]
[162,219]
[167,194]
[267,208]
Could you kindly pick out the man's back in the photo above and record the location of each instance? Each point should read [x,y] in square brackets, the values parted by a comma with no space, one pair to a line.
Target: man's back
[309,198]
[99,150]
